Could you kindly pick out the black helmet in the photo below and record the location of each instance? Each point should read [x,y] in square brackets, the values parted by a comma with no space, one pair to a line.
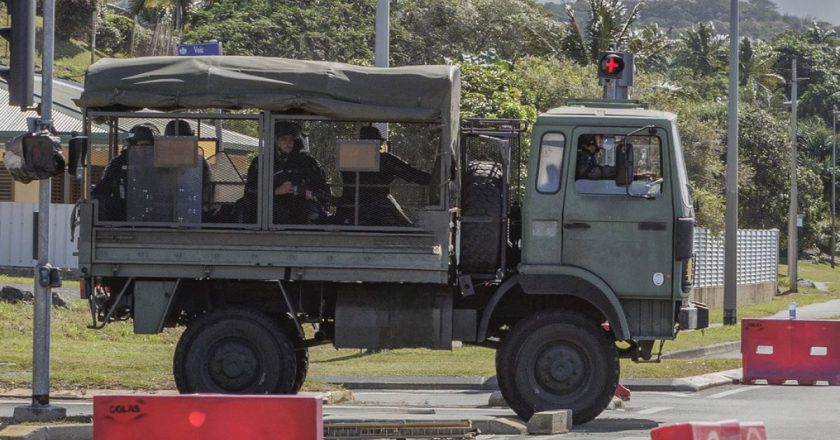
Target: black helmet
[284,128]
[370,132]
[140,132]
[178,127]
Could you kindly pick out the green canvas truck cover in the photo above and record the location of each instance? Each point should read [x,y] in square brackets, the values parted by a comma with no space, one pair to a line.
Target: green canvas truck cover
[331,90]
[334,90]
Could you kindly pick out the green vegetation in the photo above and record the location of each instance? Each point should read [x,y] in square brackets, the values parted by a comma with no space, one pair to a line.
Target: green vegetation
[116,358]
[5,279]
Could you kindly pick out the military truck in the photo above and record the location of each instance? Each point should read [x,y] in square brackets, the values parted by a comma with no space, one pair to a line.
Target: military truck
[562,272]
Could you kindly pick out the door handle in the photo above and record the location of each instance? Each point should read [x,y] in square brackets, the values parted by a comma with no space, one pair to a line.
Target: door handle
[576,225]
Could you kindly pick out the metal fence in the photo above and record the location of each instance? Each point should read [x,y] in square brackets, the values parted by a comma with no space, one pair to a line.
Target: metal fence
[758,256]
[17,233]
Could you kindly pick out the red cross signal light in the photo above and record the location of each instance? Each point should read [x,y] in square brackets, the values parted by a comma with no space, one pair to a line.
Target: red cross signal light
[611,65]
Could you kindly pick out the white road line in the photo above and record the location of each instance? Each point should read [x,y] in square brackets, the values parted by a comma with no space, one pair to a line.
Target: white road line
[54,402]
[667,393]
[731,392]
[654,410]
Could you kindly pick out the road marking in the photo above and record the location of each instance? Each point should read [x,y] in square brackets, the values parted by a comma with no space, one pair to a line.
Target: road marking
[667,393]
[53,402]
[731,392]
[654,410]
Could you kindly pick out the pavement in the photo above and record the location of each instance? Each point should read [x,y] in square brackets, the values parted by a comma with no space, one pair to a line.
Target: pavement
[479,384]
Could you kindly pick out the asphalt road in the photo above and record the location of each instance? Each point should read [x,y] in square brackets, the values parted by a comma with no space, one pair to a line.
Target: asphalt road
[788,412]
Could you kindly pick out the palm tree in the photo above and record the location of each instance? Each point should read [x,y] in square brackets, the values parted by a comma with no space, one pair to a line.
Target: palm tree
[703,50]
[609,22]
[757,80]
[651,47]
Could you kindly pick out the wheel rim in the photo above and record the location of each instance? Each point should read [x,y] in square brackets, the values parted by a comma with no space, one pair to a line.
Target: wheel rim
[233,365]
[560,369]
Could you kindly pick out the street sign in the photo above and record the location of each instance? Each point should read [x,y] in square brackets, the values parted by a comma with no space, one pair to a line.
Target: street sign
[200,49]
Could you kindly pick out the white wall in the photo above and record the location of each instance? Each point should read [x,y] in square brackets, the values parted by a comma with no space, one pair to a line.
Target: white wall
[16,234]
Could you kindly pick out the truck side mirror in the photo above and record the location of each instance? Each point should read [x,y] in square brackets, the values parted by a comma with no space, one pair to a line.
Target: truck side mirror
[624,165]
[78,151]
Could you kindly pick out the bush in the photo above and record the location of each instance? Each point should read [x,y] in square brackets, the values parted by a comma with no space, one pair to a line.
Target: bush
[73,18]
[113,34]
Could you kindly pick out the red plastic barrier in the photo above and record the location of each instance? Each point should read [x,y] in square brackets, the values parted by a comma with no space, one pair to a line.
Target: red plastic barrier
[778,350]
[728,430]
[622,392]
[207,417]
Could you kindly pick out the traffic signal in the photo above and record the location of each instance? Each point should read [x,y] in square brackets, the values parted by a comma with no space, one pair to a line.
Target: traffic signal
[20,72]
[611,65]
[34,156]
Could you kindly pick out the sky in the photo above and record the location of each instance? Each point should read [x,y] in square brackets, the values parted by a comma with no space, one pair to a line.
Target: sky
[824,10]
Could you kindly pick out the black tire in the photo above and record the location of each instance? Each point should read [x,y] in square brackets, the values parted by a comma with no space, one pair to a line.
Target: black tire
[558,360]
[301,368]
[235,351]
[482,197]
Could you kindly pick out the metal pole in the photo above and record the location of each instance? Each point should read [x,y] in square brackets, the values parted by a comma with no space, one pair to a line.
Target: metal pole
[383,32]
[40,409]
[730,275]
[382,46]
[833,182]
[793,245]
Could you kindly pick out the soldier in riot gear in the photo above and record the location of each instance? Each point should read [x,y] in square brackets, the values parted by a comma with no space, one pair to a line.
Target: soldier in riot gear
[111,189]
[299,185]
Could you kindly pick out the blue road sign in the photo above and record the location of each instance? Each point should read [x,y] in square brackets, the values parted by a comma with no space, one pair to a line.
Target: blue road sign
[211,48]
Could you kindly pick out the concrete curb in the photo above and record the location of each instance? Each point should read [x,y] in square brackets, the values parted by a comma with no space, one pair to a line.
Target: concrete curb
[330,397]
[691,384]
[709,350]
[473,383]
[53,432]
[479,383]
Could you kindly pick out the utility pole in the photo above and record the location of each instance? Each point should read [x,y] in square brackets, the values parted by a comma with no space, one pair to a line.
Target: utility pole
[793,242]
[834,114]
[730,273]
[40,409]
[382,45]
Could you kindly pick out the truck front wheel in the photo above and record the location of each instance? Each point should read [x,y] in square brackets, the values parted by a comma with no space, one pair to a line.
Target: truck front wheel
[558,360]
[235,351]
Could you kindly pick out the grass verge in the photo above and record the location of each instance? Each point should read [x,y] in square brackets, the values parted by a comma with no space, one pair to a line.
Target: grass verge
[115,358]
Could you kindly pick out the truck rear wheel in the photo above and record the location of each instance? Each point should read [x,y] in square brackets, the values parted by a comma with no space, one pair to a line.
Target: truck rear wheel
[558,360]
[302,367]
[482,198]
[235,351]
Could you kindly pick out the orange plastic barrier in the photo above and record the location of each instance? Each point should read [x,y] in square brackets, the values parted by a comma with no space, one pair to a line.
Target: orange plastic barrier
[207,417]
[728,430]
[778,350]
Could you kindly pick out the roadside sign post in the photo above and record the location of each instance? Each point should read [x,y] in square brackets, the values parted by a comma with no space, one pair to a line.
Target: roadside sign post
[211,48]
[40,408]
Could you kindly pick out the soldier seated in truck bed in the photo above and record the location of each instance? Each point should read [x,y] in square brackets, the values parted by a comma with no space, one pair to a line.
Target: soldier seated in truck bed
[299,183]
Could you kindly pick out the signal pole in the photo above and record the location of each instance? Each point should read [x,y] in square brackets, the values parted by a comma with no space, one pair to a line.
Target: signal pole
[40,409]
[793,242]
[730,273]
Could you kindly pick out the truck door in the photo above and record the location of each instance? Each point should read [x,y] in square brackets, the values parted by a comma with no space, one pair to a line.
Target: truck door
[623,234]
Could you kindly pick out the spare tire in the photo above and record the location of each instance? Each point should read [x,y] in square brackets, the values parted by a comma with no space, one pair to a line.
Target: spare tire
[481,222]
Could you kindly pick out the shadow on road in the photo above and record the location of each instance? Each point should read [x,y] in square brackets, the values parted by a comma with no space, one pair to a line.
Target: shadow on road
[616,425]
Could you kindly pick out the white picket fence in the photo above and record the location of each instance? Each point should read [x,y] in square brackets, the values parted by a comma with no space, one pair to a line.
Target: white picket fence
[17,233]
